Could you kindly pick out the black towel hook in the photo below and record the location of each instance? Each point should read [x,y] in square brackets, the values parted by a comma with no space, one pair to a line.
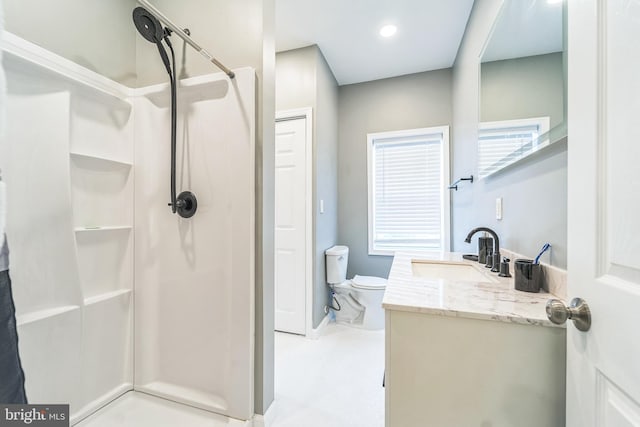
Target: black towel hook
[454,186]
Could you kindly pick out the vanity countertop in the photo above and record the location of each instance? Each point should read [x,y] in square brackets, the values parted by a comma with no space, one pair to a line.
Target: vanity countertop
[471,299]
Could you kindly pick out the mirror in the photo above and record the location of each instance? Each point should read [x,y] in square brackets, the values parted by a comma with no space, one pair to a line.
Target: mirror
[522,84]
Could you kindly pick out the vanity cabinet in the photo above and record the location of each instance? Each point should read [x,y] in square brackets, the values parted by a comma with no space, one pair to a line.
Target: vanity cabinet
[470,354]
[454,371]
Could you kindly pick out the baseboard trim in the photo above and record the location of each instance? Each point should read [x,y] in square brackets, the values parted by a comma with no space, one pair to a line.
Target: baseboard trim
[317,332]
[266,420]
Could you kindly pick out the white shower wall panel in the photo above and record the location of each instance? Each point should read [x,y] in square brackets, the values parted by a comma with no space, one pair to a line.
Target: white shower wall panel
[68,150]
[35,166]
[194,278]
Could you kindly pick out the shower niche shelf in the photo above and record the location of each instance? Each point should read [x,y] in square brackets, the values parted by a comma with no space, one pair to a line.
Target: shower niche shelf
[106,296]
[105,262]
[99,158]
[102,192]
[102,229]
[44,314]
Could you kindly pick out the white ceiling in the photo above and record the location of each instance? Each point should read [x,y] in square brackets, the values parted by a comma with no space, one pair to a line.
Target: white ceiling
[429,33]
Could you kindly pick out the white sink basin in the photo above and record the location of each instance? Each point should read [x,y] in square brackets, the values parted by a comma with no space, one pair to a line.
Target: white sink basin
[449,271]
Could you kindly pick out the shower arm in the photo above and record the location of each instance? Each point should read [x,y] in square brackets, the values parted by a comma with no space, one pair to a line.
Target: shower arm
[184,36]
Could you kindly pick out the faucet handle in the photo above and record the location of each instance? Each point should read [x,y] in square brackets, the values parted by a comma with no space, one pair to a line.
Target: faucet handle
[504,267]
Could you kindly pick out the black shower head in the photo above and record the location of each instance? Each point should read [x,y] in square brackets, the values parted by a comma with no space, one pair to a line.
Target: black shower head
[151,29]
[147,24]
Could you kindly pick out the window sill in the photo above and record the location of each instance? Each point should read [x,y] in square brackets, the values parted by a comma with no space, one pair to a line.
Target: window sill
[382,253]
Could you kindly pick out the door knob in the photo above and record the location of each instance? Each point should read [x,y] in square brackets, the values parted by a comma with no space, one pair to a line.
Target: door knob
[578,311]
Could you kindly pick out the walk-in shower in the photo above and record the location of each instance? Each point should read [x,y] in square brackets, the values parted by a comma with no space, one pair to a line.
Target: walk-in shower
[118,300]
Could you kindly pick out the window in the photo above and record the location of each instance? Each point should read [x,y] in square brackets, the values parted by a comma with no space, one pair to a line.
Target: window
[408,201]
[502,143]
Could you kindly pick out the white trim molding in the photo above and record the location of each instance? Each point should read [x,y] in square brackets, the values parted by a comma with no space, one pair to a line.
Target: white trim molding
[266,420]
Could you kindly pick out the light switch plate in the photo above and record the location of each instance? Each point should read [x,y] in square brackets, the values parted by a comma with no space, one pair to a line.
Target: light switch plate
[499,208]
[321,206]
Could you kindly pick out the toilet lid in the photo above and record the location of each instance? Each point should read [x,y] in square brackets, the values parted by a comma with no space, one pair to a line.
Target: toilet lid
[368,282]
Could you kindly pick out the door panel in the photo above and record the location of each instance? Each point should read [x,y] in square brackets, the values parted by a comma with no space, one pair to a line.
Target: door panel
[290,242]
[615,407]
[603,373]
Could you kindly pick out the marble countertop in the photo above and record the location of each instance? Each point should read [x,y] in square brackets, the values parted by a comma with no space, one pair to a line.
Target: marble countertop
[494,299]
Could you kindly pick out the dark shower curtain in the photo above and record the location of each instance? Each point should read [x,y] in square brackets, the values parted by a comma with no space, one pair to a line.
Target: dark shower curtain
[11,374]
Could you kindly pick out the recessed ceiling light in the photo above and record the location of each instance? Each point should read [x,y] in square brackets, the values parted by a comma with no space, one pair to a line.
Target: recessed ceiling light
[388,30]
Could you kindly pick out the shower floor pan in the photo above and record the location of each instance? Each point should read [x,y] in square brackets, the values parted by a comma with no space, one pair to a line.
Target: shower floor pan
[134,409]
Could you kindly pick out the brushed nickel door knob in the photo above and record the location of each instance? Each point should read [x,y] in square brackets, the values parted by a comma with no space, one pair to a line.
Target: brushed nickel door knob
[578,311]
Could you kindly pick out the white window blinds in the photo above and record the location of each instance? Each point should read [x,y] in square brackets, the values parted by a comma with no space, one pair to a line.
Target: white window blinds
[407,186]
[501,143]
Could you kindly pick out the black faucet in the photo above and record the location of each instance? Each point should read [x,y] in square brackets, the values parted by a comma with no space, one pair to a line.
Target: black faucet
[496,246]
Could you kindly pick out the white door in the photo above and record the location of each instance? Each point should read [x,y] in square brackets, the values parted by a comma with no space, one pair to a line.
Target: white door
[290,214]
[603,364]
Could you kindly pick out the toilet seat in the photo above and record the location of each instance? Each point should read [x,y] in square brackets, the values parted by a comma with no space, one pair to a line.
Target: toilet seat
[368,282]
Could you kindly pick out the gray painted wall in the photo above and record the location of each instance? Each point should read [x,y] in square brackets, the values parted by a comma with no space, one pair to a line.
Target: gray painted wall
[406,102]
[296,78]
[325,180]
[523,88]
[97,34]
[534,192]
[304,79]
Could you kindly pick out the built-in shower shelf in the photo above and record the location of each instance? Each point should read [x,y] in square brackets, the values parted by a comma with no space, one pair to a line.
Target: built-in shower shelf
[92,157]
[106,296]
[105,228]
[46,313]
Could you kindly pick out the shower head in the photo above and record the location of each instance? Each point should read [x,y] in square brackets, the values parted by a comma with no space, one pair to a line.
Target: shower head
[147,24]
[151,29]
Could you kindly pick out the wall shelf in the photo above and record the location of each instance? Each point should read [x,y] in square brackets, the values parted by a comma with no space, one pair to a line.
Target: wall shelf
[106,296]
[103,228]
[101,191]
[46,313]
[105,260]
[90,157]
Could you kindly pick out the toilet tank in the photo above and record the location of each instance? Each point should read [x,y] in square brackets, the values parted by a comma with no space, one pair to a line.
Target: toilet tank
[336,261]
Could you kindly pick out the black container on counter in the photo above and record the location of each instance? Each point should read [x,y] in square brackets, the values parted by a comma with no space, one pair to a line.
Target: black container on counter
[528,275]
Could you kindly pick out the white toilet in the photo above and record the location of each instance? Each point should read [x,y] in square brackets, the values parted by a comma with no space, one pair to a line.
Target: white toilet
[359,299]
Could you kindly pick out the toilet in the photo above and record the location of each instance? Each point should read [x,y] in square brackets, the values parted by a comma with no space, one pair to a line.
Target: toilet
[359,299]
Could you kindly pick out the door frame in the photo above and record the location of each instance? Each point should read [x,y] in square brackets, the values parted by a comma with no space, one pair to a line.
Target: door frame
[307,114]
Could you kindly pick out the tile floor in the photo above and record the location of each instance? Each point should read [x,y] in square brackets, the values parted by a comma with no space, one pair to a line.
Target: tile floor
[333,381]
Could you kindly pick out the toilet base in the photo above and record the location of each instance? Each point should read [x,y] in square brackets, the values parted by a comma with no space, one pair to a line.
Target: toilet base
[360,308]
